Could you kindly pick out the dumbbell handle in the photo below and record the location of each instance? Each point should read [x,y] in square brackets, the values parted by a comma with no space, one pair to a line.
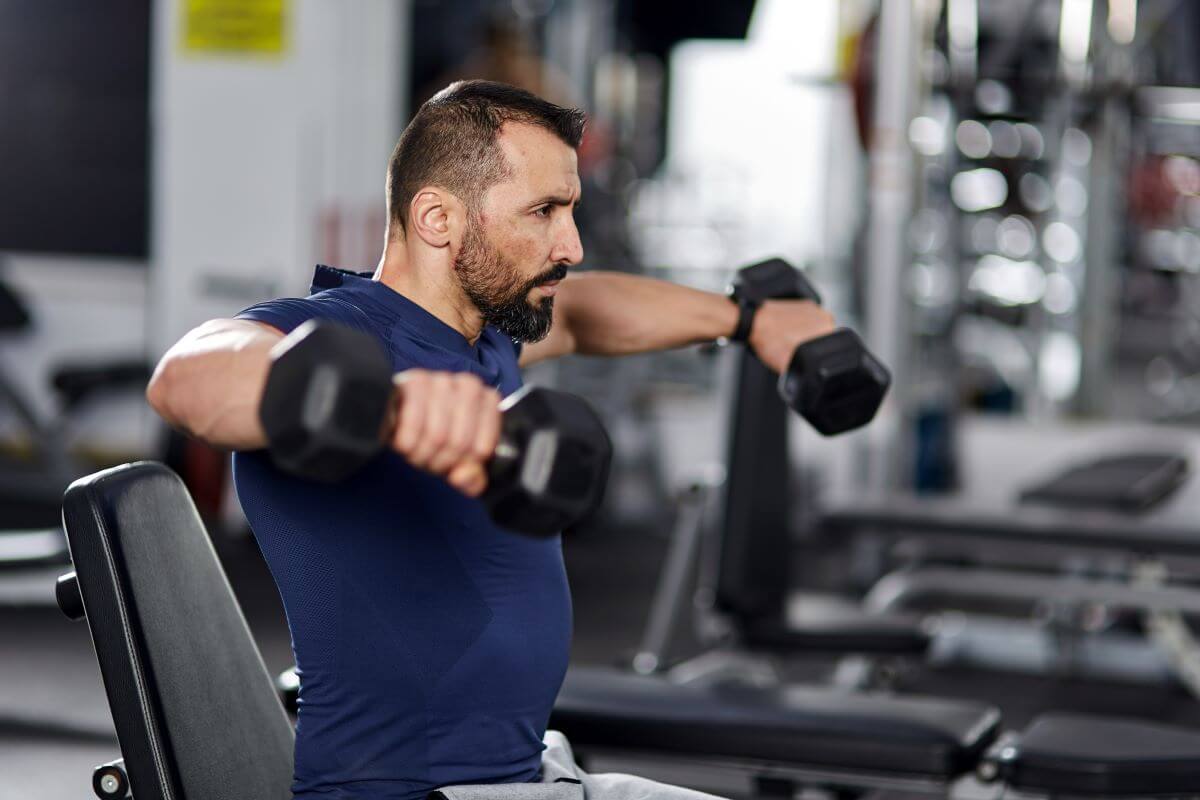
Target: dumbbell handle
[506,449]
[535,461]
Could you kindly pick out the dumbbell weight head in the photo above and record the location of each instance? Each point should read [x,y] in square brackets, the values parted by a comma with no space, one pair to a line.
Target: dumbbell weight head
[344,380]
[773,279]
[551,465]
[834,382]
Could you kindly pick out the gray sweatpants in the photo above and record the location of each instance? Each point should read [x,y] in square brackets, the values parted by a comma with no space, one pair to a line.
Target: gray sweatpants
[562,779]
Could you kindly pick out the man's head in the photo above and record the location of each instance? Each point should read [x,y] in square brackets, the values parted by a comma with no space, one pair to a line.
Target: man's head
[489,172]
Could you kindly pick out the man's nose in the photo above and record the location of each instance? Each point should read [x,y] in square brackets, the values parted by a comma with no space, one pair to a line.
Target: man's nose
[568,248]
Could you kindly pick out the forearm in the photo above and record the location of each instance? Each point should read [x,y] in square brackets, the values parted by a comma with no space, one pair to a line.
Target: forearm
[210,384]
[614,313]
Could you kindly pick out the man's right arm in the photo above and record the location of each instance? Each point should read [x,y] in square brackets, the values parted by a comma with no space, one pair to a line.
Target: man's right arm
[210,383]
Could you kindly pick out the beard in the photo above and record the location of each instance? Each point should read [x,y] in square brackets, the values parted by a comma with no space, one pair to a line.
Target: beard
[495,286]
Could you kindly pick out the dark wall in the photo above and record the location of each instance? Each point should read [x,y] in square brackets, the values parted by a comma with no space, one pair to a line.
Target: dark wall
[74,104]
[658,26]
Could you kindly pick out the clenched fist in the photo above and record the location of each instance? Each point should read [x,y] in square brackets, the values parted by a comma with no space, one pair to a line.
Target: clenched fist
[782,325]
[447,423]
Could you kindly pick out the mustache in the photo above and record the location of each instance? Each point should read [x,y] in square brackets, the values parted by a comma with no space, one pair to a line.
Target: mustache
[558,272]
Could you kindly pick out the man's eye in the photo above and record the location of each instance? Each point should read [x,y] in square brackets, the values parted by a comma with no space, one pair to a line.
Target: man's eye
[543,211]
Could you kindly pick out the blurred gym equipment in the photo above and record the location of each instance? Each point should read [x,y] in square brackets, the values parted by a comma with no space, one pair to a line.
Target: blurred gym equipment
[33,477]
[749,608]
[745,605]
[1069,570]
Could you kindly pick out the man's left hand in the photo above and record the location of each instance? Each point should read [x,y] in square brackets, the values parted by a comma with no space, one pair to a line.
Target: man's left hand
[780,326]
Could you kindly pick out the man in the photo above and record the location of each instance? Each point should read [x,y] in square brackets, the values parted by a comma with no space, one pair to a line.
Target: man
[431,644]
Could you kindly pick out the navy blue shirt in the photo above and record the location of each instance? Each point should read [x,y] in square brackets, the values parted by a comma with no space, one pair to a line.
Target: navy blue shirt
[430,643]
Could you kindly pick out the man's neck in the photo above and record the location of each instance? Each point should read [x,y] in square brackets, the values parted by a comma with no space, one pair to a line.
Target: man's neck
[431,286]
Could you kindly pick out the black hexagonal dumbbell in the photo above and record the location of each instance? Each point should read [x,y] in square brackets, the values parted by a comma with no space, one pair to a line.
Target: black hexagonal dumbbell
[832,381]
[326,410]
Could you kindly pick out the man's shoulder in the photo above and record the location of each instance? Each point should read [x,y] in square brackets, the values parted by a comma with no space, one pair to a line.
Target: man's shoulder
[287,313]
[335,295]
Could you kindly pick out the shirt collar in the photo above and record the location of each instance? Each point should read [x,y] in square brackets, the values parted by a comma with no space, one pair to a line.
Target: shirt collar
[424,325]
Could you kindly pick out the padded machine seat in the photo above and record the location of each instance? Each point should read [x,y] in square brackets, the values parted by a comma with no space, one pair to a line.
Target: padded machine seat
[802,727]
[1084,754]
[194,708]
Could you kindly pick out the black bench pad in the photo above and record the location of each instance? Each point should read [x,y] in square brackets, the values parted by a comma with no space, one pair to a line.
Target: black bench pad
[194,708]
[813,727]
[1084,754]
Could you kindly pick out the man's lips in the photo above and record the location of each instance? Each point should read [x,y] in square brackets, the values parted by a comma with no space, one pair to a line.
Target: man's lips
[549,287]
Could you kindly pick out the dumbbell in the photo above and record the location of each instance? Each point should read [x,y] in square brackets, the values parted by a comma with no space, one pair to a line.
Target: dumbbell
[326,411]
[833,381]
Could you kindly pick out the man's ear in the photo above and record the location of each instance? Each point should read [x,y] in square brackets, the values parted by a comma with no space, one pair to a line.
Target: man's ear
[437,216]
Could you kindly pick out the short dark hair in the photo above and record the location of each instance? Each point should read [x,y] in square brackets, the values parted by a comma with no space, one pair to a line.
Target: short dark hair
[451,140]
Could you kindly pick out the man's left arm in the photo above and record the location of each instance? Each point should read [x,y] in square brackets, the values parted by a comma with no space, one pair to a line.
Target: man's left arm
[615,313]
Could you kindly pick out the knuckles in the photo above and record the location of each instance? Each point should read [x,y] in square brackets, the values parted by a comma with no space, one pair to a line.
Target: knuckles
[432,401]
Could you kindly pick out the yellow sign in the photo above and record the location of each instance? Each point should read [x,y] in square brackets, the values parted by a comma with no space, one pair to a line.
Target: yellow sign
[234,26]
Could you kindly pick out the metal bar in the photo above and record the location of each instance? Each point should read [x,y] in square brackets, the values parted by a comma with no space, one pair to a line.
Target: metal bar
[895,590]
[672,589]
[888,253]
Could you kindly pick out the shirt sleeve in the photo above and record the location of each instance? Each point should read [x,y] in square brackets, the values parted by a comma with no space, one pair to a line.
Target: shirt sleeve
[286,314]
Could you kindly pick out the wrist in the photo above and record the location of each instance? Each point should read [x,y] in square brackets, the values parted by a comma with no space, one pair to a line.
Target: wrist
[745,309]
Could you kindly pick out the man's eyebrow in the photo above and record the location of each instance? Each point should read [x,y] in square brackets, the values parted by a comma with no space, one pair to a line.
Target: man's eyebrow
[555,200]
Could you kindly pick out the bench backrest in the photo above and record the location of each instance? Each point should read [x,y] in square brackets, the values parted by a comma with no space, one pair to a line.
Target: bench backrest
[195,711]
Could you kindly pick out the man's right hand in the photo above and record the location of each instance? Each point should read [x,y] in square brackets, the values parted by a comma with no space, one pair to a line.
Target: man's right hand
[447,423]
